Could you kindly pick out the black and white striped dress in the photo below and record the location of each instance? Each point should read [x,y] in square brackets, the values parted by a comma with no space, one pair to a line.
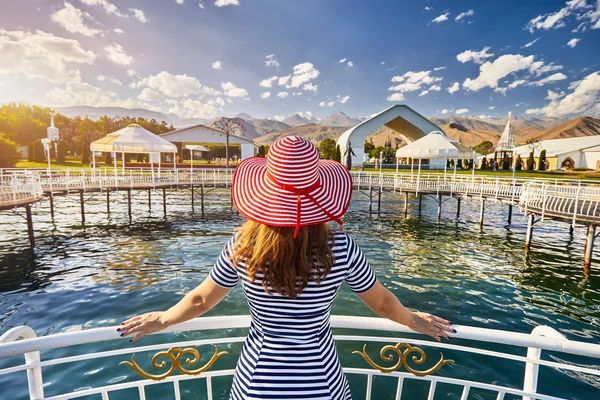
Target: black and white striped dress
[290,352]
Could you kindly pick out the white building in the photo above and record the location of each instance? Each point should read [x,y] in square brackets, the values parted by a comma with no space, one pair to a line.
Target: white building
[580,152]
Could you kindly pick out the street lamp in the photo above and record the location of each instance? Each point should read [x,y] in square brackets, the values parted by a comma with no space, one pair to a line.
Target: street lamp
[46,142]
[380,161]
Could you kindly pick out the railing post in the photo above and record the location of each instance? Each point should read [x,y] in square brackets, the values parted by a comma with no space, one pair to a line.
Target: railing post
[534,354]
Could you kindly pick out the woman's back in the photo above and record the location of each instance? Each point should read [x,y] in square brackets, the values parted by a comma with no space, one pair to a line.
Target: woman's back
[290,351]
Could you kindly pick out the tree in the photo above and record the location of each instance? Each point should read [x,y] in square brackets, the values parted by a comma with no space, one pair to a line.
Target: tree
[519,162]
[542,163]
[505,162]
[338,154]
[484,147]
[229,126]
[9,152]
[530,162]
[368,147]
[484,163]
[327,149]
[36,151]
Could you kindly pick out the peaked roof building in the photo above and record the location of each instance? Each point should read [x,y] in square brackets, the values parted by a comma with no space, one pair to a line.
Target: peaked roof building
[507,140]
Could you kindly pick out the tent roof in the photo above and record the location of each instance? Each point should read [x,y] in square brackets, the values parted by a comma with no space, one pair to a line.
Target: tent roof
[204,134]
[435,145]
[556,147]
[133,139]
[195,147]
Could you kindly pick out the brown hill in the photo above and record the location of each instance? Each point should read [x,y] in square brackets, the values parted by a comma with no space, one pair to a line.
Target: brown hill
[578,127]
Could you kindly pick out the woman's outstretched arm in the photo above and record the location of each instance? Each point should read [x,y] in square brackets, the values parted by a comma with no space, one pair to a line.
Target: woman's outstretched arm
[200,300]
[386,304]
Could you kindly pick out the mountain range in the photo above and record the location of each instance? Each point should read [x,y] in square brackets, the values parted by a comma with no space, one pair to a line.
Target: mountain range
[469,130]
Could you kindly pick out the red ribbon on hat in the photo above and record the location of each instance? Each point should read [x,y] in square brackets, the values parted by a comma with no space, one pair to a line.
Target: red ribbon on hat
[302,192]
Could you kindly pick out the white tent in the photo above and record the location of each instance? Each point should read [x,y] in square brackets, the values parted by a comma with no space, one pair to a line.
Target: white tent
[132,139]
[436,145]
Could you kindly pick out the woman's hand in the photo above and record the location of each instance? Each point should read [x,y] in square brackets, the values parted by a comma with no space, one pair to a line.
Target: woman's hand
[143,325]
[431,325]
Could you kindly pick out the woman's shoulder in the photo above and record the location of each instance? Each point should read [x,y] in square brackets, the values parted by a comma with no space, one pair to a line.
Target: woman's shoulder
[342,239]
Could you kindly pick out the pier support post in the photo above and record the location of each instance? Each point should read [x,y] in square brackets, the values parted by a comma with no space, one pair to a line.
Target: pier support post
[379,191]
[458,207]
[192,194]
[439,201]
[30,226]
[164,190]
[529,234]
[81,202]
[405,204]
[571,229]
[420,202]
[108,201]
[589,245]
[202,199]
[129,203]
[510,207]
[149,199]
[481,213]
[52,205]
[370,199]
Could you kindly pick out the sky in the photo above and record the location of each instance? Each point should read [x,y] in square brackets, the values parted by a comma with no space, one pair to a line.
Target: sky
[274,58]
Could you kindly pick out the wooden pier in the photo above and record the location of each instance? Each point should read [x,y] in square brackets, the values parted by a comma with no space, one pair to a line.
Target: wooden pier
[573,202]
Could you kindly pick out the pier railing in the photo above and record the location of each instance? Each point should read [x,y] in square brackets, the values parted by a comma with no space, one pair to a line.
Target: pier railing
[405,358]
[552,198]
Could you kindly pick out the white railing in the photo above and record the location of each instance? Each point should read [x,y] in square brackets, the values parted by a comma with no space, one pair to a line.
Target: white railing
[17,189]
[22,341]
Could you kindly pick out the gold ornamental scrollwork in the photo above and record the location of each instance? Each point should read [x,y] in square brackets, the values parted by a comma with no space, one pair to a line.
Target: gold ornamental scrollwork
[174,356]
[402,351]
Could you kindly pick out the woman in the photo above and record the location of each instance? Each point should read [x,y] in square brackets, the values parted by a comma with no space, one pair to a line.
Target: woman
[291,266]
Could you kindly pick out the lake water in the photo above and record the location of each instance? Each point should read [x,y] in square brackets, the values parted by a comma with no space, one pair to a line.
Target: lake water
[82,277]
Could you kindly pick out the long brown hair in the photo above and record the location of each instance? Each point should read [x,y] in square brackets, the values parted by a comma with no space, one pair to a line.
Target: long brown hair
[287,264]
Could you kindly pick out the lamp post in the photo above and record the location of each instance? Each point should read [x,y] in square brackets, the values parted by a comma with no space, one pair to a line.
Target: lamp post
[46,142]
[380,161]
[514,159]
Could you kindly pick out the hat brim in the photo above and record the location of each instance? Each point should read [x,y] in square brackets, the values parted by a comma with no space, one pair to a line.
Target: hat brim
[261,200]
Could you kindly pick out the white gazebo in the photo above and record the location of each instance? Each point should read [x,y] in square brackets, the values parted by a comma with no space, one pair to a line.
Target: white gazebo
[436,146]
[132,139]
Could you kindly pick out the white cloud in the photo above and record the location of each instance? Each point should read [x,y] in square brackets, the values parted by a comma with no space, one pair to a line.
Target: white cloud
[573,42]
[396,97]
[198,109]
[171,85]
[439,68]
[483,116]
[584,99]
[72,19]
[223,3]
[41,55]
[179,1]
[412,81]
[491,107]
[218,101]
[427,8]
[423,93]
[552,78]
[556,19]
[343,99]
[519,104]
[139,15]
[278,118]
[350,64]
[231,90]
[302,75]
[441,18]
[267,83]
[538,68]
[462,111]
[477,57]
[310,87]
[217,65]
[210,91]
[131,73]
[80,93]
[343,60]
[282,81]
[530,43]
[118,30]
[108,7]
[150,95]
[464,15]
[283,95]
[265,95]
[491,72]
[116,54]
[104,78]
[271,61]
[454,88]
[327,104]
[517,83]
[445,111]
[435,88]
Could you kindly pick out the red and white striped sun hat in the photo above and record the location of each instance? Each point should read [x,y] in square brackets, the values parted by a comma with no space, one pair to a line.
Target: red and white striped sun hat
[291,186]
